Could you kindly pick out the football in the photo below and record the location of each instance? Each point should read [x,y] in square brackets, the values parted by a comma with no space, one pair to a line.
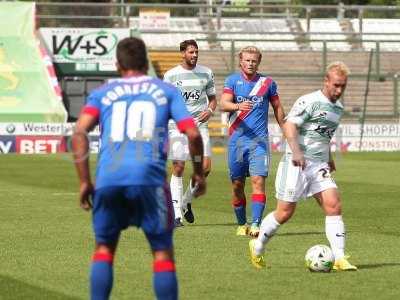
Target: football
[319,258]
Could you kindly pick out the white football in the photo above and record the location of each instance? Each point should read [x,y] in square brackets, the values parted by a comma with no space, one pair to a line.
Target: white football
[319,258]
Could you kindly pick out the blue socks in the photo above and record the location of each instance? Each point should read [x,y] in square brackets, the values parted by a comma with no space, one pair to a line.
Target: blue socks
[257,208]
[164,280]
[239,207]
[101,276]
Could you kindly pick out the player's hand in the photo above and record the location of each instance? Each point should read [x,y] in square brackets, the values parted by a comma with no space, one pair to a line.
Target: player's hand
[199,185]
[245,105]
[332,166]
[204,116]
[298,159]
[85,193]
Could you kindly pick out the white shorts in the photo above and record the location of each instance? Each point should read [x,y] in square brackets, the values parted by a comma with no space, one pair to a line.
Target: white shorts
[292,183]
[179,145]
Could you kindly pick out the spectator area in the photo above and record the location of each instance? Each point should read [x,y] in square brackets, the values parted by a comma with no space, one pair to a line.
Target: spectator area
[264,33]
[182,29]
[379,30]
[330,30]
[254,30]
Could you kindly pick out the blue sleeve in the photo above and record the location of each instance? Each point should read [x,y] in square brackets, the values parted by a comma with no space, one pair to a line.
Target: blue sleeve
[177,106]
[94,100]
[229,83]
[273,89]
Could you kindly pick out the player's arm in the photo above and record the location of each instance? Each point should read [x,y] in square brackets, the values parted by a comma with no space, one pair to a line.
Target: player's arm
[276,104]
[204,116]
[331,162]
[228,105]
[212,100]
[196,152]
[80,147]
[291,134]
[278,110]
[298,115]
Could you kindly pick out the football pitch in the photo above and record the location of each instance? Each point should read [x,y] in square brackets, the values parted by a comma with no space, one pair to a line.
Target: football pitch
[46,240]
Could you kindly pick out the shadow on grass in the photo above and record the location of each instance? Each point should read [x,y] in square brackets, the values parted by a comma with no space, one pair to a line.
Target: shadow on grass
[11,289]
[376,266]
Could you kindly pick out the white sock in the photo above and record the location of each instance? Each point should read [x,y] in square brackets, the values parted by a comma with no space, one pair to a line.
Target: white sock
[269,226]
[188,196]
[176,185]
[336,234]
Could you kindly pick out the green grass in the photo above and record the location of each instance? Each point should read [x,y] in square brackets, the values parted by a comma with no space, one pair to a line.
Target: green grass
[46,241]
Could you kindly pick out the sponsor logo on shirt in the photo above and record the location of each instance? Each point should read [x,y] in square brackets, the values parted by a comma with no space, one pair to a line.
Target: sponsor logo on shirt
[192,95]
[254,99]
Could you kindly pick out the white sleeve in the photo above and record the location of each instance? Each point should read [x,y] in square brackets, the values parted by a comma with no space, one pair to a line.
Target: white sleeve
[210,88]
[166,77]
[299,112]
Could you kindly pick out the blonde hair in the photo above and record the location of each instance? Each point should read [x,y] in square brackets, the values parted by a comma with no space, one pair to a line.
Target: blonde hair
[339,67]
[250,49]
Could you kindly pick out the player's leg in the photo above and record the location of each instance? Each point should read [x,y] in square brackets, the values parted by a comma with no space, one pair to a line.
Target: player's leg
[206,165]
[258,201]
[107,230]
[238,169]
[178,153]
[157,224]
[258,168]
[330,202]
[165,282]
[239,205]
[101,272]
[289,185]
[188,195]
[269,226]
[176,185]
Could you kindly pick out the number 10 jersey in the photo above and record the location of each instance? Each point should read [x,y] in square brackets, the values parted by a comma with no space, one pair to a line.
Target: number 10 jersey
[133,116]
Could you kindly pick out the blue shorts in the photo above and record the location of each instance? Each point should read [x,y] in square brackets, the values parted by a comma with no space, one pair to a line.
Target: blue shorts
[149,207]
[247,157]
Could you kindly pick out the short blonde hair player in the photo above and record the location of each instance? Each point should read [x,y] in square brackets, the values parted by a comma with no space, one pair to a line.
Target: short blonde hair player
[305,169]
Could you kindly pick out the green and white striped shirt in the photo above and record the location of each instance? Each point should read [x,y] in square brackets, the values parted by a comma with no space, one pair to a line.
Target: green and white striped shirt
[317,119]
[195,85]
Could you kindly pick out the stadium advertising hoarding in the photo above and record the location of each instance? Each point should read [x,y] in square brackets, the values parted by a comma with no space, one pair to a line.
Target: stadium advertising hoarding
[41,138]
[7,144]
[84,49]
[376,137]
[154,19]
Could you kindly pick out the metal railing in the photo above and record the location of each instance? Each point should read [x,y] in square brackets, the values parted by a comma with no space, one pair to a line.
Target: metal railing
[63,13]
[378,73]
[396,102]
[116,15]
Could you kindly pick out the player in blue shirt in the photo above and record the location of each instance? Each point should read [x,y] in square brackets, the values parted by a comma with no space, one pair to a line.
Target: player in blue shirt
[131,188]
[246,96]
